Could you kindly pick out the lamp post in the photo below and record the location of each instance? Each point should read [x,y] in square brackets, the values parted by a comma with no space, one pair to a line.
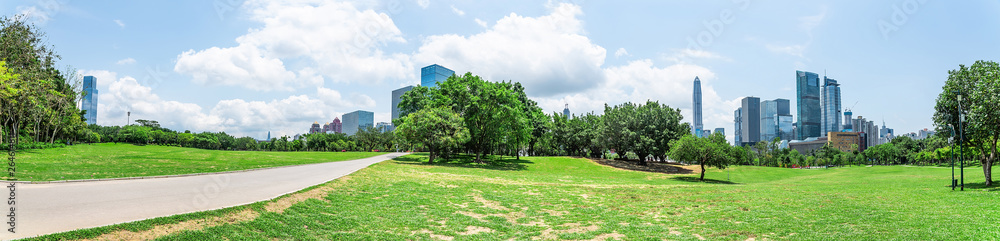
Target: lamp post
[961,140]
[952,151]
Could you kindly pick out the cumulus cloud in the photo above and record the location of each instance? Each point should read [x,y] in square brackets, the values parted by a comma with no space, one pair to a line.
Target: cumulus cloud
[126,61]
[621,52]
[424,3]
[549,54]
[335,40]
[238,117]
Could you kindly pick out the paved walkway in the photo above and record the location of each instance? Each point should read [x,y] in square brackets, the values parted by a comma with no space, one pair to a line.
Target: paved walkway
[59,207]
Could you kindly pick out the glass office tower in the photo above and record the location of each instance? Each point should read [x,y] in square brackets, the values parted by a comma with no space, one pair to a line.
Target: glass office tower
[696,108]
[807,105]
[432,74]
[770,111]
[396,95]
[830,109]
[750,121]
[90,99]
[357,120]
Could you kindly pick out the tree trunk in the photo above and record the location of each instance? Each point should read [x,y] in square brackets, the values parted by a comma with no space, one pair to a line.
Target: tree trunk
[642,158]
[431,160]
[702,170]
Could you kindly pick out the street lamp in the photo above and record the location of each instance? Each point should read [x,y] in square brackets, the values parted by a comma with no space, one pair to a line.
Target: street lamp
[952,152]
[961,140]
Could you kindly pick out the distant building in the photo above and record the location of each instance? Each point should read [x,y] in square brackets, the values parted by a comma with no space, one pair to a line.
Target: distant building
[706,133]
[336,126]
[385,127]
[867,131]
[848,122]
[696,108]
[845,141]
[750,121]
[785,127]
[771,111]
[721,130]
[830,106]
[738,129]
[315,128]
[357,120]
[807,105]
[432,74]
[922,134]
[90,99]
[809,145]
[396,98]
[566,111]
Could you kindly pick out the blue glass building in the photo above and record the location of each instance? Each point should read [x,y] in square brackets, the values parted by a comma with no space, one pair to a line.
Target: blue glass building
[90,99]
[566,111]
[432,74]
[830,109]
[696,108]
[357,120]
[738,119]
[771,111]
[396,95]
[807,105]
[750,120]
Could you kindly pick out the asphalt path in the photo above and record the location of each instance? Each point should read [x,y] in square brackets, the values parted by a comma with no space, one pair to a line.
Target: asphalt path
[59,207]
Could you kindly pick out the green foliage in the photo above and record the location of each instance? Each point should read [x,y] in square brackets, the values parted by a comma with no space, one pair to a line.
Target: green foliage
[644,129]
[436,128]
[979,86]
[712,151]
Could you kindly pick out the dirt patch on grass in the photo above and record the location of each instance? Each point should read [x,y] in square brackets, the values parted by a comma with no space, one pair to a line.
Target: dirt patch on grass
[279,206]
[470,230]
[658,167]
[488,203]
[193,225]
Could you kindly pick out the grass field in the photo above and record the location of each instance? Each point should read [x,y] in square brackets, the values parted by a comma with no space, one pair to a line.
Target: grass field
[108,160]
[567,198]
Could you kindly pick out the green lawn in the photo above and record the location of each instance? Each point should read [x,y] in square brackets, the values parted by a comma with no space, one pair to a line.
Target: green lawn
[108,160]
[568,198]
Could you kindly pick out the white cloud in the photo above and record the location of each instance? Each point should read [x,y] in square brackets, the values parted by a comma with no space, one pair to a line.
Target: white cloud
[332,39]
[126,61]
[34,14]
[481,23]
[457,11]
[807,24]
[104,77]
[120,23]
[549,54]
[424,3]
[621,52]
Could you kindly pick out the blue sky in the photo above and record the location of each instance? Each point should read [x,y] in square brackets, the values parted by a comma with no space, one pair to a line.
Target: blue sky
[248,67]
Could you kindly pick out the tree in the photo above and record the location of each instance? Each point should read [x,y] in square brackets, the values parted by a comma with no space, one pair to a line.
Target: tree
[712,151]
[435,128]
[643,129]
[979,85]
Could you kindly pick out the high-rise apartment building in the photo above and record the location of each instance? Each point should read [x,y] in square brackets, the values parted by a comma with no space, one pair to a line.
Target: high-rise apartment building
[697,108]
[336,126]
[750,121]
[830,106]
[432,74]
[396,97]
[90,99]
[357,120]
[738,129]
[807,105]
[771,111]
[315,128]
[848,122]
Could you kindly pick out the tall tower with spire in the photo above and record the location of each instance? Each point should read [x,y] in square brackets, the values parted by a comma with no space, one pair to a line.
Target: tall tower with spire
[566,110]
[696,108]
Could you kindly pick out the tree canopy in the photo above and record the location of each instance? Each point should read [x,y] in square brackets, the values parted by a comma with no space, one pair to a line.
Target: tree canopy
[979,86]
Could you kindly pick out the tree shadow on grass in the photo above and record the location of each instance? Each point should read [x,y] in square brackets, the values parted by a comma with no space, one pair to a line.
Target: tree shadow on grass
[981,186]
[707,180]
[468,161]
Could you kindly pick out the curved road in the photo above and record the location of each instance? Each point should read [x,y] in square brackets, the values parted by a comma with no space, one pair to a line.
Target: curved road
[59,207]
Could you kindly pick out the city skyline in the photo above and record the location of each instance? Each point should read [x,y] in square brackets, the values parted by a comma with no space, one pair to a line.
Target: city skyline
[187,73]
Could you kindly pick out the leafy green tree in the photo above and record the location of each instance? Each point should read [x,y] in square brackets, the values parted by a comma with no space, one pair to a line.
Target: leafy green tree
[979,85]
[644,129]
[712,151]
[435,128]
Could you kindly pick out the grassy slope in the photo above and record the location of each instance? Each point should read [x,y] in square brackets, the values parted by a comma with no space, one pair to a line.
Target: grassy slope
[565,198]
[125,160]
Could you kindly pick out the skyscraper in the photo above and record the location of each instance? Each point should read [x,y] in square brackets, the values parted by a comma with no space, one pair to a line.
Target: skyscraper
[566,111]
[358,120]
[807,105]
[90,99]
[336,126]
[738,130]
[750,121]
[430,75]
[696,108]
[848,122]
[830,109]
[771,111]
[396,95]
[721,130]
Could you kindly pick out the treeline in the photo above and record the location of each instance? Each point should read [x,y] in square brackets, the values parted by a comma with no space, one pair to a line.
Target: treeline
[466,114]
[149,132]
[37,101]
